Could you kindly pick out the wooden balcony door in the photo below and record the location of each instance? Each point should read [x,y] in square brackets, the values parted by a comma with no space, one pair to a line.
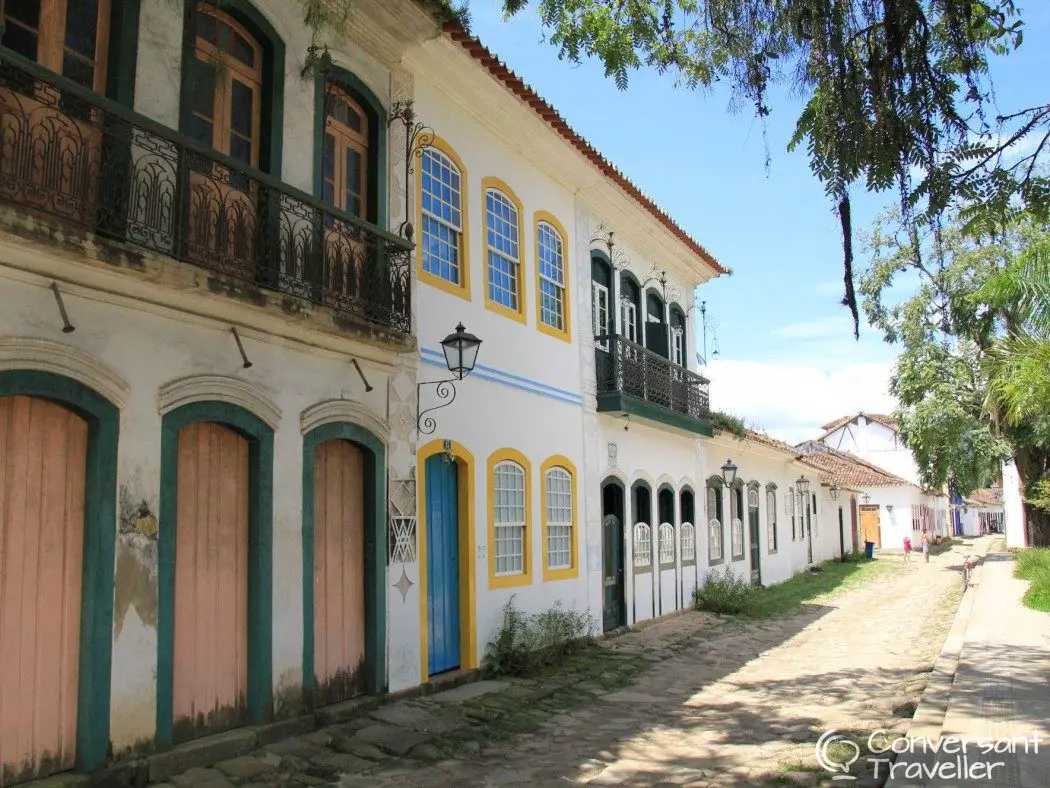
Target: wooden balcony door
[223,204]
[51,149]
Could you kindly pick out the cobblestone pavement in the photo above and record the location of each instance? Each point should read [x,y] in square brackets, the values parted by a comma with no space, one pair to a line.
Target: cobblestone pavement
[694,700]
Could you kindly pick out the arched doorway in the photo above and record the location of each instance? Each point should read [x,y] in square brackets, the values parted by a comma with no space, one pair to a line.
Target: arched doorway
[214,628]
[58,444]
[614,612]
[344,556]
[447,574]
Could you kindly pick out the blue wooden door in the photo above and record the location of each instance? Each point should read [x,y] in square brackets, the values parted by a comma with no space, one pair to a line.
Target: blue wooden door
[442,564]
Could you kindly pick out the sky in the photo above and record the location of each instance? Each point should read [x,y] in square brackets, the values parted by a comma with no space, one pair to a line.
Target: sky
[787,359]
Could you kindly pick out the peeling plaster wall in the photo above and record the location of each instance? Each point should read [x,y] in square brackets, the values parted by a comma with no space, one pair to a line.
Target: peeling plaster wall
[149,348]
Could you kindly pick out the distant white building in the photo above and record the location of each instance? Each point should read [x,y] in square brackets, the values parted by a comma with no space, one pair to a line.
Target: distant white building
[872,437]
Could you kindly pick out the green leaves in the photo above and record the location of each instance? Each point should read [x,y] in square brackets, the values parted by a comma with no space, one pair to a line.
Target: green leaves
[896,93]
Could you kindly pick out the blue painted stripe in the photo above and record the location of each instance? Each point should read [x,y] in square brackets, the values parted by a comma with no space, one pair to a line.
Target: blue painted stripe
[501,376]
[570,399]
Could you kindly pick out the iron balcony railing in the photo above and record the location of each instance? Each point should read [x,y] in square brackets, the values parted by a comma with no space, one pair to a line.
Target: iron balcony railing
[68,153]
[624,367]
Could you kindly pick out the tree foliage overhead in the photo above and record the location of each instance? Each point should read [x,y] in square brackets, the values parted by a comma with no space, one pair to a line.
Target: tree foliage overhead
[896,91]
[972,378]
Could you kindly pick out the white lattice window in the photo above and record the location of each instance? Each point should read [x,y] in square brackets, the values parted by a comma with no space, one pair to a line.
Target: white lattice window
[629,316]
[678,346]
[789,509]
[600,312]
[442,221]
[643,545]
[508,511]
[504,277]
[714,536]
[558,485]
[771,519]
[666,543]
[551,267]
[738,537]
[752,498]
[688,536]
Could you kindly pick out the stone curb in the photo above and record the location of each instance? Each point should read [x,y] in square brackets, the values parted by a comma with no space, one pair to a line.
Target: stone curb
[930,713]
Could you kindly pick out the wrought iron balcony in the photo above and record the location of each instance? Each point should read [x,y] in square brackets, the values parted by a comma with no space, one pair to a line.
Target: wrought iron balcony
[72,155]
[632,379]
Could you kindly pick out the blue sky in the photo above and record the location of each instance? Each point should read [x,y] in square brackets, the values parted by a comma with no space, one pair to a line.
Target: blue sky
[788,358]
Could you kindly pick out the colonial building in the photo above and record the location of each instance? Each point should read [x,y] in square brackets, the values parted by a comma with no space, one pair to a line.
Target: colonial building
[887,507]
[230,488]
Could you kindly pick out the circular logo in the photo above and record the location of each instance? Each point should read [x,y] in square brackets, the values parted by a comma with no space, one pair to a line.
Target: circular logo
[836,753]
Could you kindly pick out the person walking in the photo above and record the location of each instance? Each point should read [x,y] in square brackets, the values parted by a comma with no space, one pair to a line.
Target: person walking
[926,545]
[907,548]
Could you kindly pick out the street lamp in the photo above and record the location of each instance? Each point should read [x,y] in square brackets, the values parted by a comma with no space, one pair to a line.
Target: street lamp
[866,498]
[833,491]
[802,485]
[728,473]
[461,353]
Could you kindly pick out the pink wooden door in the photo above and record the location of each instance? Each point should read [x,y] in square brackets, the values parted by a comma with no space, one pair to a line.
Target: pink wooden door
[211,581]
[339,572]
[43,459]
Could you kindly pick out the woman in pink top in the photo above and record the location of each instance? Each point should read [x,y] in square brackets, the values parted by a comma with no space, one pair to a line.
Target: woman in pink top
[907,548]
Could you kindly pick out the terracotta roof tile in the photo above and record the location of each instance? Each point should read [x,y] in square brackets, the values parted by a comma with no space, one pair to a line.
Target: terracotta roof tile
[848,470]
[499,70]
[769,440]
[989,496]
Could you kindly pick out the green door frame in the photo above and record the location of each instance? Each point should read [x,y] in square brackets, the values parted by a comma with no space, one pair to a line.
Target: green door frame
[260,556]
[375,552]
[100,533]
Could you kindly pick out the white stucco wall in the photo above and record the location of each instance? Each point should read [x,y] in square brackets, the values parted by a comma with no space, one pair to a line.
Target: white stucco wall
[148,348]
[1013,507]
[876,443]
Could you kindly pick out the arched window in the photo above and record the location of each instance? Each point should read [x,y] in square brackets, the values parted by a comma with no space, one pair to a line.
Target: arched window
[679,347]
[505,290]
[771,517]
[560,516]
[69,37]
[630,306]
[688,543]
[687,516]
[643,502]
[714,521]
[509,520]
[227,69]
[789,505]
[656,324]
[346,157]
[736,513]
[643,545]
[666,544]
[601,298]
[552,288]
[442,220]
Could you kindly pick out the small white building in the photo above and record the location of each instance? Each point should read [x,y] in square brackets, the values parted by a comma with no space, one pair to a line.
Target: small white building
[888,506]
[1015,523]
[872,437]
[984,512]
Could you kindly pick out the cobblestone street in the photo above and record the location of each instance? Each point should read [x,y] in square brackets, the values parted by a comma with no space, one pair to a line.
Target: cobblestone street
[693,700]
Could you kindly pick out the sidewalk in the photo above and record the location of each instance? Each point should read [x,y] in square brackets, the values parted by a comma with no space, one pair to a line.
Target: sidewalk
[1001,694]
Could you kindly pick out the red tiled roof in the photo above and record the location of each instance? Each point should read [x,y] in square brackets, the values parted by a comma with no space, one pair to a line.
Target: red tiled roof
[881,418]
[848,470]
[512,82]
[989,496]
[769,440]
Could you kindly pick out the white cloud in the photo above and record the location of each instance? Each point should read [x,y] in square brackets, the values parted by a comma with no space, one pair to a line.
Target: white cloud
[792,400]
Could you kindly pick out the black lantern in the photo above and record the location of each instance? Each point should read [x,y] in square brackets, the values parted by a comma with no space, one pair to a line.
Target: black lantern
[866,498]
[834,492]
[728,473]
[802,485]
[461,352]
